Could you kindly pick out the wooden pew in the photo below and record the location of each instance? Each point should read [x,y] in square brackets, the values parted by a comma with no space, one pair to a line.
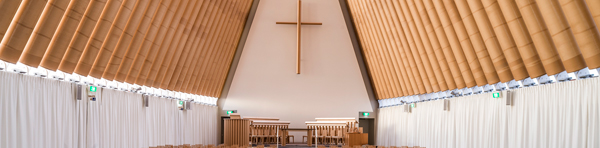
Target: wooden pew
[266,131]
[331,131]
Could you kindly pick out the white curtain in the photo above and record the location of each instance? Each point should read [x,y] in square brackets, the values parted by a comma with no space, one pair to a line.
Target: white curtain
[39,112]
[550,116]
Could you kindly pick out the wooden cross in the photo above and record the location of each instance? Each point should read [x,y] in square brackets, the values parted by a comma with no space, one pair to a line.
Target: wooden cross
[298,24]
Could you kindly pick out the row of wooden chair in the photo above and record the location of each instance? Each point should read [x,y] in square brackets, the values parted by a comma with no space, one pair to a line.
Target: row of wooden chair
[329,134]
[186,146]
[267,134]
[236,146]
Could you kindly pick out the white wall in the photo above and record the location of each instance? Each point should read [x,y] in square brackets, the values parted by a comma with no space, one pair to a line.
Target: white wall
[265,82]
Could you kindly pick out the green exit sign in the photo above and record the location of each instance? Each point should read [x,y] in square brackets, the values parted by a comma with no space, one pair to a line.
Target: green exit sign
[365,114]
[496,95]
[412,105]
[229,112]
[93,88]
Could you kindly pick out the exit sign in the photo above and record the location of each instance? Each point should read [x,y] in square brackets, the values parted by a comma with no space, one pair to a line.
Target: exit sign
[93,88]
[496,95]
[412,105]
[365,114]
[229,112]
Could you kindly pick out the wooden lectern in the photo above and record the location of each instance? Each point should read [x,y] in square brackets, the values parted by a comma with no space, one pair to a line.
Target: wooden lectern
[237,132]
[357,139]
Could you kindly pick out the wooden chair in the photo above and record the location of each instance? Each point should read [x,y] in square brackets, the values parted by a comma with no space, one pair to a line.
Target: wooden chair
[260,146]
[306,136]
[323,133]
[273,134]
[330,133]
[339,135]
[289,136]
[264,136]
[260,135]
[253,135]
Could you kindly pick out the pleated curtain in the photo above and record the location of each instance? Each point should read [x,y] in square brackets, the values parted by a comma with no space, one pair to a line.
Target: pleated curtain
[38,112]
[550,116]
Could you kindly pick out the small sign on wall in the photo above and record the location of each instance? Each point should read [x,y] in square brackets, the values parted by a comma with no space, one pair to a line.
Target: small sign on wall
[497,94]
[364,114]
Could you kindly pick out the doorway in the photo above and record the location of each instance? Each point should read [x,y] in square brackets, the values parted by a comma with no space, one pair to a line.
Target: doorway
[222,127]
[368,125]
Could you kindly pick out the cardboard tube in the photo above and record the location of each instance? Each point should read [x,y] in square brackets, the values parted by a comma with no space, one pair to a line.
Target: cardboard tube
[203,31]
[215,86]
[164,46]
[108,40]
[64,33]
[217,25]
[443,74]
[377,50]
[397,32]
[198,86]
[584,29]
[505,38]
[562,35]
[593,7]
[434,73]
[154,46]
[184,32]
[173,46]
[241,20]
[540,36]
[468,70]
[389,37]
[520,33]
[479,39]
[418,51]
[43,32]
[183,65]
[20,30]
[208,29]
[98,37]
[444,32]
[384,47]
[120,34]
[204,83]
[147,40]
[443,53]
[120,64]
[499,41]
[417,68]
[8,8]
[366,46]
[466,77]
[393,23]
[223,68]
